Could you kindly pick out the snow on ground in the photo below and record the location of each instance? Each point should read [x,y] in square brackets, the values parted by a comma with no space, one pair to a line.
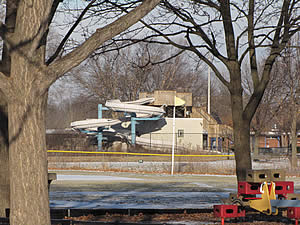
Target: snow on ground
[64,177]
[164,166]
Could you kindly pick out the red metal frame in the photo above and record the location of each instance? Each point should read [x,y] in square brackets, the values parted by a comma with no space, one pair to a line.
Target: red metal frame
[281,187]
[228,211]
[247,188]
[293,212]
[284,187]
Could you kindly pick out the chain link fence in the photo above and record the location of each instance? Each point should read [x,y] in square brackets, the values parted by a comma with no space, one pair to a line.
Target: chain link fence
[194,153]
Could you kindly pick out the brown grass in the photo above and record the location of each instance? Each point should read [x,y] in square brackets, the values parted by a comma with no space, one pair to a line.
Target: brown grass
[201,217]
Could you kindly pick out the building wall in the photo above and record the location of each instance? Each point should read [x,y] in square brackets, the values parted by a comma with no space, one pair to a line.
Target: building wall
[167,97]
[268,142]
[219,136]
[272,141]
[189,133]
[206,131]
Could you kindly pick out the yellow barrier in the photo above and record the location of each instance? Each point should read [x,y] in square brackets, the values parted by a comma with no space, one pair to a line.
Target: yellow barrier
[130,153]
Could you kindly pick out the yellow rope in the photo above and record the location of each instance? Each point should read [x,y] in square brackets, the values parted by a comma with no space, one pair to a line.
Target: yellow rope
[130,153]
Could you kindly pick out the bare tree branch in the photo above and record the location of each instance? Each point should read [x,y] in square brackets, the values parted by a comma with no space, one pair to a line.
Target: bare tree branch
[167,59]
[282,19]
[2,30]
[74,58]
[62,43]
[208,3]
[198,30]
[228,30]
[252,49]
[212,66]
[276,48]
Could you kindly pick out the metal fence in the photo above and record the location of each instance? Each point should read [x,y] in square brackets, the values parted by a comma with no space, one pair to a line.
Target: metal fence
[151,141]
[152,153]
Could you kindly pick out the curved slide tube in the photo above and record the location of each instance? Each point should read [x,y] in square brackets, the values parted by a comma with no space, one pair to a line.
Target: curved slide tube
[93,124]
[136,107]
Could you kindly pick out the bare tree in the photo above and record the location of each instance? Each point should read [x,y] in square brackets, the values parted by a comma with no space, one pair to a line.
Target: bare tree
[263,119]
[220,103]
[25,78]
[126,73]
[288,88]
[232,32]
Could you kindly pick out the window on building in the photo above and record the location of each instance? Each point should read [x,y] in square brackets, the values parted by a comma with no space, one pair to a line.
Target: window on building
[180,133]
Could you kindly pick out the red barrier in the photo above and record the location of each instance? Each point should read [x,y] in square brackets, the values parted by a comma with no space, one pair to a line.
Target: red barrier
[281,188]
[247,188]
[228,211]
[294,213]
[284,187]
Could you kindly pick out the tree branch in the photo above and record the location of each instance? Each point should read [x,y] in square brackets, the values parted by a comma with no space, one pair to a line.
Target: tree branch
[228,30]
[212,66]
[62,43]
[252,49]
[276,48]
[167,59]
[198,30]
[74,58]
[159,34]
[7,30]
[2,30]
[208,3]
[281,20]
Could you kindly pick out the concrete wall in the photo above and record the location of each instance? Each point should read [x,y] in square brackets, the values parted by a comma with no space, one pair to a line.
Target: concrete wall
[167,97]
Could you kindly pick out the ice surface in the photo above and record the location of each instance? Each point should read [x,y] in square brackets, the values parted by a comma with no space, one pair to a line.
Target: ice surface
[134,199]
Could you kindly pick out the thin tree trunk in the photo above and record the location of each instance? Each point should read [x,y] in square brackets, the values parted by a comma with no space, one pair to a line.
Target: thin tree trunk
[294,140]
[256,145]
[4,166]
[28,160]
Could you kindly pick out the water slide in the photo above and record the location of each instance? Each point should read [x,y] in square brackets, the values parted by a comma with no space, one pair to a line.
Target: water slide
[138,107]
[93,124]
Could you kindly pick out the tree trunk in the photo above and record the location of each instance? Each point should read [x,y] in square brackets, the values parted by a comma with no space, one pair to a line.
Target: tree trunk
[28,159]
[294,160]
[241,127]
[242,150]
[256,146]
[4,166]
